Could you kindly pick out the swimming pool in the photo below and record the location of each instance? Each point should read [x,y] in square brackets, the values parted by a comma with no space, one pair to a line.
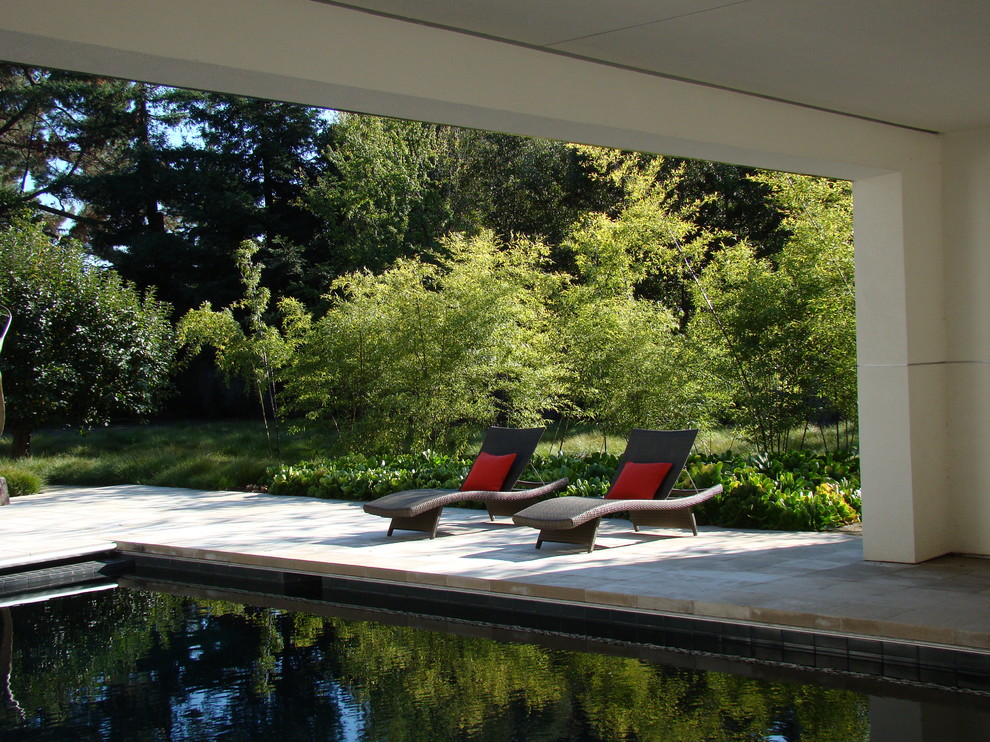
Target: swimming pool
[131,664]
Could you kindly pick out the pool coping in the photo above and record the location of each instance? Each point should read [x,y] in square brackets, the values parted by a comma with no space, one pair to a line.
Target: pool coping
[517,605]
[891,630]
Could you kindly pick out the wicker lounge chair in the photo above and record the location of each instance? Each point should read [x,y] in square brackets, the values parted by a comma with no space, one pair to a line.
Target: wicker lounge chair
[575,520]
[419,510]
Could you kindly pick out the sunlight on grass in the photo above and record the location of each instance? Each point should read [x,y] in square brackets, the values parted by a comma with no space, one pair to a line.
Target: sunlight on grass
[234,455]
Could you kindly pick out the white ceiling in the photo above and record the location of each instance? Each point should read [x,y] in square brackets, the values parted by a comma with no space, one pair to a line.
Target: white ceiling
[915,63]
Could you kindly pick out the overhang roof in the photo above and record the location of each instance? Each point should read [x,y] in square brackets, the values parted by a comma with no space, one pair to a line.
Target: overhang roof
[916,63]
[811,86]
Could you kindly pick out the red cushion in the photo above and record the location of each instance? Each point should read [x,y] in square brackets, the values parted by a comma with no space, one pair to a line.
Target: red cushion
[638,481]
[488,472]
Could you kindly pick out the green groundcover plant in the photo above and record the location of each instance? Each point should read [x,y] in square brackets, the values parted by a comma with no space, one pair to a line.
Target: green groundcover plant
[794,490]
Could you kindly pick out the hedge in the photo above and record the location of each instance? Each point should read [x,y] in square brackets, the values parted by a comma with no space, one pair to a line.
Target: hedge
[796,490]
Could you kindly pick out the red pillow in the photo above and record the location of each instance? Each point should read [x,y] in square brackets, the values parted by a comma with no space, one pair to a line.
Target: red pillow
[638,481]
[488,473]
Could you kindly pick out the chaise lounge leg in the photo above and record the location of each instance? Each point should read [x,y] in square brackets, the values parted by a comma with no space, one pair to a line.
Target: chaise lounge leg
[665,519]
[427,522]
[583,535]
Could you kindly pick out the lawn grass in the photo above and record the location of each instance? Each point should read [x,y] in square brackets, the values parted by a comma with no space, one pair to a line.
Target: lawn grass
[229,455]
[235,455]
[581,439]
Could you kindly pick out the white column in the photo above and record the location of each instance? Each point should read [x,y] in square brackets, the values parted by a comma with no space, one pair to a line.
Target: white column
[966,205]
[901,349]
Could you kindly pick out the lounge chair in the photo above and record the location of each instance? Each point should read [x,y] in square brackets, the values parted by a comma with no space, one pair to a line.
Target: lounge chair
[491,480]
[644,480]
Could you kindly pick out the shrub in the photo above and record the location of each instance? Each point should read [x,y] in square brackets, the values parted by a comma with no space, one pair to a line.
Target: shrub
[795,490]
[357,477]
[21,480]
[84,345]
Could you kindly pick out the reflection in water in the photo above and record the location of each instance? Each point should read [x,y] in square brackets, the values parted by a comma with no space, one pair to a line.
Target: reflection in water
[6,662]
[147,666]
[911,721]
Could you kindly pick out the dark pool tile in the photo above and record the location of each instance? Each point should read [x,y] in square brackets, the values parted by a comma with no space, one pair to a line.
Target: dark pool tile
[652,635]
[736,632]
[548,608]
[303,586]
[678,639]
[803,657]
[865,665]
[938,657]
[766,635]
[400,590]
[574,612]
[938,676]
[973,662]
[651,620]
[797,640]
[707,642]
[899,653]
[679,624]
[828,661]
[865,648]
[737,647]
[625,633]
[973,681]
[831,644]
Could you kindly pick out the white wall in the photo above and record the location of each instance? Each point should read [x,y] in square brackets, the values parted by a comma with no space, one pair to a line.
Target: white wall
[317,54]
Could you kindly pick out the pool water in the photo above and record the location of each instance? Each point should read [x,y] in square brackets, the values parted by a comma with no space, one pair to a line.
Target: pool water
[125,664]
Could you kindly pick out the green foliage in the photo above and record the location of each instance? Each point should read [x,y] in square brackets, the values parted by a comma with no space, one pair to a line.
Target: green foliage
[629,368]
[254,354]
[21,480]
[209,456]
[619,323]
[604,325]
[422,354]
[357,477]
[380,197]
[793,491]
[63,651]
[796,491]
[781,335]
[54,126]
[195,175]
[518,185]
[84,345]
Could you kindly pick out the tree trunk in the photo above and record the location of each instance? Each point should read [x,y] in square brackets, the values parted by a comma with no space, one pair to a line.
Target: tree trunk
[146,164]
[21,444]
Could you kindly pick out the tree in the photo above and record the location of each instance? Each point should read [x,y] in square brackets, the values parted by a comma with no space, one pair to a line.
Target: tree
[731,202]
[84,345]
[619,321]
[817,212]
[424,354]
[164,184]
[518,186]
[244,168]
[781,333]
[197,174]
[379,197]
[253,352]
[54,126]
